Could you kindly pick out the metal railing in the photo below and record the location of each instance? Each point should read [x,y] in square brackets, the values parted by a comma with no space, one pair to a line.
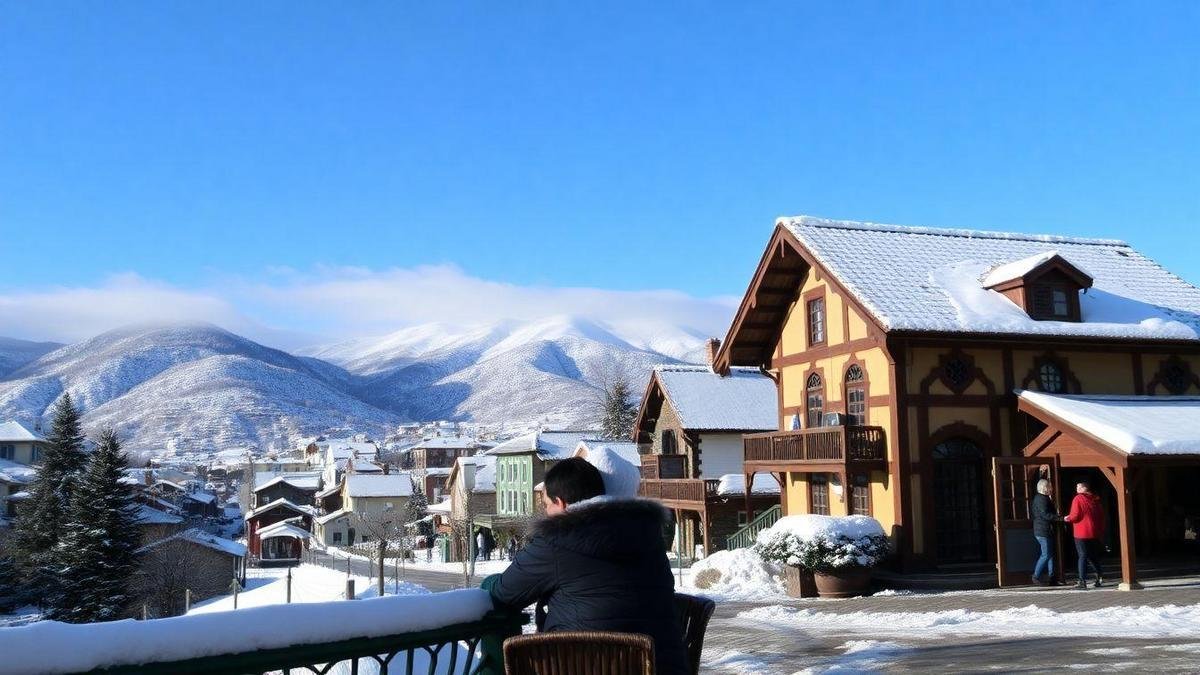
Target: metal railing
[823,444]
[678,489]
[746,536]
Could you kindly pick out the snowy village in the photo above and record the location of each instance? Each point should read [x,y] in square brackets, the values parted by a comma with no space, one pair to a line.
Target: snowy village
[841,446]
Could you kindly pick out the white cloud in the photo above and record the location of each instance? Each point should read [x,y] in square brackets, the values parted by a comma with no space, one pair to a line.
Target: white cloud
[289,308]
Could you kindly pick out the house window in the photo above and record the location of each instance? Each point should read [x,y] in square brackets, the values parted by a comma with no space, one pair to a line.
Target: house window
[815,400]
[1051,302]
[742,519]
[1061,307]
[860,496]
[37,454]
[958,372]
[7,451]
[818,492]
[1176,376]
[856,396]
[337,537]
[816,321]
[668,442]
[1050,378]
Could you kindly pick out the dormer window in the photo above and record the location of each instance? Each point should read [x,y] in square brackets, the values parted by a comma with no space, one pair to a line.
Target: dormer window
[1046,286]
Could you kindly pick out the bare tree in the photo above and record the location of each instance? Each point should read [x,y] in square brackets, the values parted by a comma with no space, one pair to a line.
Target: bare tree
[386,527]
[168,570]
[462,525]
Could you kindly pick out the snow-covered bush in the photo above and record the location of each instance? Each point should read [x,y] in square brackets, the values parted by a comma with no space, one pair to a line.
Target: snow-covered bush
[824,543]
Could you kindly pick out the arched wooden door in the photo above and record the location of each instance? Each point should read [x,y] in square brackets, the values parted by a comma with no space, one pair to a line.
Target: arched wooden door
[959,502]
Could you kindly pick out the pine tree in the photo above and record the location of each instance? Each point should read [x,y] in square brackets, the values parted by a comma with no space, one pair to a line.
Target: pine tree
[418,508]
[619,412]
[10,590]
[98,543]
[40,520]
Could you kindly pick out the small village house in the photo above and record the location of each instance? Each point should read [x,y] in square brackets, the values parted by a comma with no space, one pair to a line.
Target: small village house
[296,488]
[283,546]
[689,430]
[188,561]
[371,504]
[430,461]
[472,490]
[21,445]
[900,356]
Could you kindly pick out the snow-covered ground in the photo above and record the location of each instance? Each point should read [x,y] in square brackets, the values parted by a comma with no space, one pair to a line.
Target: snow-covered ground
[482,567]
[310,583]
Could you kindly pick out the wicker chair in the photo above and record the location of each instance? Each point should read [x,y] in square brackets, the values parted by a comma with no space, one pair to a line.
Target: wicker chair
[694,613]
[579,653]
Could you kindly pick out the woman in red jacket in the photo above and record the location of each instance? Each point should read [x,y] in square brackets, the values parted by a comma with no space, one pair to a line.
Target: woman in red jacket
[1087,518]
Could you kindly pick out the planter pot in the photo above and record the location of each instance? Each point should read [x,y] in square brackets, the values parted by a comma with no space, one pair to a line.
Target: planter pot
[799,582]
[843,583]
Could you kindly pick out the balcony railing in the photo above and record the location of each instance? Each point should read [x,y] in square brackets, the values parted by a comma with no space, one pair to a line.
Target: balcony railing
[820,445]
[454,632]
[664,466]
[679,489]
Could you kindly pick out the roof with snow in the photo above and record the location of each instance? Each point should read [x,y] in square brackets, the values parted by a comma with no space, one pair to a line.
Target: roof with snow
[549,445]
[13,431]
[744,400]
[619,465]
[379,485]
[151,516]
[299,482]
[329,491]
[341,449]
[484,472]
[1134,425]
[442,507]
[1019,269]
[15,472]
[332,515]
[931,280]
[359,465]
[202,538]
[733,484]
[447,442]
[281,502]
[283,529]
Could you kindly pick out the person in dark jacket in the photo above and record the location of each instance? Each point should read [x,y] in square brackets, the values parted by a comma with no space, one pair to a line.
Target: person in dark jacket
[598,563]
[1087,519]
[1045,515]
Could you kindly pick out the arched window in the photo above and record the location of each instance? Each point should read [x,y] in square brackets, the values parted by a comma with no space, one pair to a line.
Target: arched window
[856,396]
[815,400]
[1050,378]
[668,442]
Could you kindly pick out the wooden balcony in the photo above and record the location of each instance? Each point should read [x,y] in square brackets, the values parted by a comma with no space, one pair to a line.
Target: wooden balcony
[824,448]
[664,466]
[689,493]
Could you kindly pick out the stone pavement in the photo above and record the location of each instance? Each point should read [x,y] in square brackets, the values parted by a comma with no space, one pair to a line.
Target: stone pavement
[735,645]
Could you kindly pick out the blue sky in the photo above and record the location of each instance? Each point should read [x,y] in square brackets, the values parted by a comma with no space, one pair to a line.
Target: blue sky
[199,150]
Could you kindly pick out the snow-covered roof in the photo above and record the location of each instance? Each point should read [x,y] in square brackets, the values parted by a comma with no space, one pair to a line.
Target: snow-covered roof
[329,491]
[202,538]
[485,472]
[202,497]
[928,279]
[341,449]
[442,507]
[549,445]
[333,515]
[283,529]
[286,503]
[1017,269]
[448,442]
[745,400]
[151,516]
[13,431]
[299,482]
[14,472]
[437,471]
[619,464]
[161,482]
[360,465]
[379,485]
[732,484]
[1135,425]
[264,477]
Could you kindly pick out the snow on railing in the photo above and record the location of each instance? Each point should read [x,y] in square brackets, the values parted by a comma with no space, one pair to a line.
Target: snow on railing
[381,632]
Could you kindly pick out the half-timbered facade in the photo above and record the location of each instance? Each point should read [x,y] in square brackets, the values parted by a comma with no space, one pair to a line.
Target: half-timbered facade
[898,353]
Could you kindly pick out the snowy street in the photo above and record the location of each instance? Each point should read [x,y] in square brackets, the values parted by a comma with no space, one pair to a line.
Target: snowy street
[1157,629]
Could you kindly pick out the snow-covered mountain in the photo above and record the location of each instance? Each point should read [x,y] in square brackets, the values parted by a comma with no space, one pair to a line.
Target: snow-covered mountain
[16,353]
[190,387]
[547,370]
[198,387]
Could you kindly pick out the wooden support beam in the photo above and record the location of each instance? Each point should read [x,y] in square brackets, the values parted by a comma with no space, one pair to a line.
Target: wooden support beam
[749,486]
[1124,487]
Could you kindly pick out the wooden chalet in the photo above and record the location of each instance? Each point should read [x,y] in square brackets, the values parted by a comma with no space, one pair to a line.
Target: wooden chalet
[689,430]
[281,546]
[899,354]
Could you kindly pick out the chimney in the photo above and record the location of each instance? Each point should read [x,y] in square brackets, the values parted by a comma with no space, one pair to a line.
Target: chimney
[711,347]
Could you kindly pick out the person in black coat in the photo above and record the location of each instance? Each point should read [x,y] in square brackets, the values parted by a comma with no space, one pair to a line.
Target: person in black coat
[598,563]
[1045,515]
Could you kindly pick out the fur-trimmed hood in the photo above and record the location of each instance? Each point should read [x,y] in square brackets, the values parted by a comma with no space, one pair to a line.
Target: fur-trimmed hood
[607,527]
